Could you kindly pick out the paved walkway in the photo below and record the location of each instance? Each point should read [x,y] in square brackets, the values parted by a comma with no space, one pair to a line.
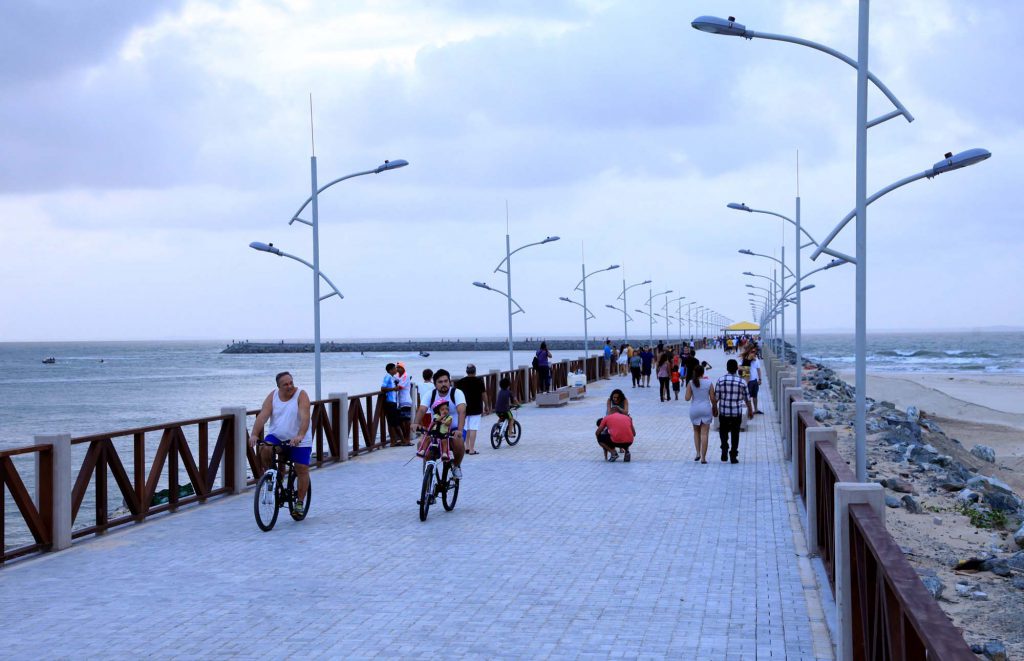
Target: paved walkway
[551,552]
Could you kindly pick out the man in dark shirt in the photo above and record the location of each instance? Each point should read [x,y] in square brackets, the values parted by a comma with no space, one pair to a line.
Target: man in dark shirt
[473,388]
[646,359]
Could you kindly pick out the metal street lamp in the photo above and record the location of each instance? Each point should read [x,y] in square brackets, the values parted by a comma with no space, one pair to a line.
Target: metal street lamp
[625,324]
[679,314]
[313,200]
[622,310]
[508,279]
[650,310]
[583,284]
[270,248]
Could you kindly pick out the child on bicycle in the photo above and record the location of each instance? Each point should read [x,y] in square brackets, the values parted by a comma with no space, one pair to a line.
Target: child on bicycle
[440,425]
[505,401]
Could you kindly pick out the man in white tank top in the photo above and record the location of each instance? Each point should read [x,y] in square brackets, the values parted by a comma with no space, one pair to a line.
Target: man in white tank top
[287,409]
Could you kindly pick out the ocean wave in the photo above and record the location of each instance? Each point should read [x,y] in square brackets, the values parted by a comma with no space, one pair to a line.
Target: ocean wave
[928,353]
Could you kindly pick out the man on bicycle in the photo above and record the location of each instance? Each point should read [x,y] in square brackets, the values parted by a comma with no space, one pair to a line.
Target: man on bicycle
[444,392]
[287,409]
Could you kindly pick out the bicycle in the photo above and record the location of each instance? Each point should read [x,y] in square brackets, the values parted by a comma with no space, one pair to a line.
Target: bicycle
[508,429]
[437,479]
[273,493]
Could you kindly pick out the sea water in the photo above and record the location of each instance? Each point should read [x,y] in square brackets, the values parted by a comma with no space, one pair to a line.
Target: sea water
[998,353]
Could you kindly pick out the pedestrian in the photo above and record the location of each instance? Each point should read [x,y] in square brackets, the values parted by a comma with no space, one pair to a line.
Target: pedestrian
[635,363]
[753,370]
[615,431]
[701,395]
[608,351]
[389,389]
[472,387]
[624,359]
[425,393]
[646,362]
[404,402]
[617,398]
[731,396]
[542,363]
[676,379]
[664,376]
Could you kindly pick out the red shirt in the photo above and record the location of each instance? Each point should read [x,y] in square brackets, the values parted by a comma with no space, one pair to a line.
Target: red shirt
[620,427]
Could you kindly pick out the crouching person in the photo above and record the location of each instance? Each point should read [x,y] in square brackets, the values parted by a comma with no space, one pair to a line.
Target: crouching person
[615,431]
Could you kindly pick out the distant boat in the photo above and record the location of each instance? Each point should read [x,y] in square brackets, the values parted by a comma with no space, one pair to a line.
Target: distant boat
[425,354]
[49,361]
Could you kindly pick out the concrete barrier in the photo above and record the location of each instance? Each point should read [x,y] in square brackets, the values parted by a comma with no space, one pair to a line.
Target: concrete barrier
[554,398]
[239,460]
[846,494]
[60,488]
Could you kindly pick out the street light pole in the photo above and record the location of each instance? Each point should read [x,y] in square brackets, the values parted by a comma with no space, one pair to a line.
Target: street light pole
[508,288]
[626,317]
[582,284]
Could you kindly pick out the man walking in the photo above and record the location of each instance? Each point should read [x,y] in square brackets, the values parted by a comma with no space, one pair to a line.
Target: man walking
[730,397]
[472,387]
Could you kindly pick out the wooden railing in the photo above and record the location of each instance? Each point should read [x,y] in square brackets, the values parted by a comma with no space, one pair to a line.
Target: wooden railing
[37,518]
[894,616]
[829,468]
[173,450]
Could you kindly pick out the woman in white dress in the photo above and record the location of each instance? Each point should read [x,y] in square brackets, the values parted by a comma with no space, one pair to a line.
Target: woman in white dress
[701,395]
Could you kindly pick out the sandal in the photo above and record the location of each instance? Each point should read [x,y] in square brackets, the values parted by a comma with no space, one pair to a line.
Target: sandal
[473,452]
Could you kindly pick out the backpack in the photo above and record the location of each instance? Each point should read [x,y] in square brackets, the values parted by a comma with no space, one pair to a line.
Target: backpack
[451,401]
[536,362]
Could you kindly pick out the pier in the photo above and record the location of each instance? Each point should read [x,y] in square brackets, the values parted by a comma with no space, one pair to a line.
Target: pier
[550,552]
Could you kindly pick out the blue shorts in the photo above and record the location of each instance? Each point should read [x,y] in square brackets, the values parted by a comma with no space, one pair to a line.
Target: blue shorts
[297,455]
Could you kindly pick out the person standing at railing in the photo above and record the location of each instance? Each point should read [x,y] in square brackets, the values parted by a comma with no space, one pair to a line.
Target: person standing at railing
[389,389]
[542,363]
[287,410]
[472,387]
[404,380]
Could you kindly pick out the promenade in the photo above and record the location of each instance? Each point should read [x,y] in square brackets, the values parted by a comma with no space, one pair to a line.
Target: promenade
[551,553]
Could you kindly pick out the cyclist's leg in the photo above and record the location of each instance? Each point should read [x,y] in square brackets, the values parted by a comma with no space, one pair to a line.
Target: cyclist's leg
[458,448]
[300,457]
[265,453]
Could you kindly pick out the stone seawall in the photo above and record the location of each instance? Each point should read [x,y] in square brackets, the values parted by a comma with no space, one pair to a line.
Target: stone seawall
[413,345]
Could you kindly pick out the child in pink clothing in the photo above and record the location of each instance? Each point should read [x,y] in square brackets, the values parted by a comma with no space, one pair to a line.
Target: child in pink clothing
[440,425]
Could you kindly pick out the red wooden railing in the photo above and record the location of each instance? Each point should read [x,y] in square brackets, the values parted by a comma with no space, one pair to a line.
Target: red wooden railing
[38,519]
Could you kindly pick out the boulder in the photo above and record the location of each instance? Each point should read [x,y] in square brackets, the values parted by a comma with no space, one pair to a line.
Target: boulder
[892,501]
[984,452]
[933,585]
[910,504]
[994,650]
[922,454]
[1018,582]
[966,496]
[952,483]
[997,566]
[1019,536]
[1016,561]
[913,413]
[898,484]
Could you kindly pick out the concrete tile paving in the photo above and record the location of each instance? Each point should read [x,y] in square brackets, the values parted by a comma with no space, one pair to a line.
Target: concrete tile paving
[550,553]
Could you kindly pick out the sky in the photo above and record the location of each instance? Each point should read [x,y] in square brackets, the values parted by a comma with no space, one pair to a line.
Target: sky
[146,144]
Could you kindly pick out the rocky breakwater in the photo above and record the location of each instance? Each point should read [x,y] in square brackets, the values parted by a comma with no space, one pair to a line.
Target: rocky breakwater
[958,522]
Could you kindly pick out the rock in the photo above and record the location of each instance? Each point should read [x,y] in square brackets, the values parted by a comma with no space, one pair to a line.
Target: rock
[1018,582]
[899,484]
[910,504]
[892,501]
[1016,560]
[994,650]
[821,415]
[998,494]
[978,595]
[952,483]
[1019,537]
[913,413]
[967,496]
[922,454]
[937,520]
[1003,502]
[985,453]
[997,566]
[944,460]
[977,648]
[933,585]
[963,589]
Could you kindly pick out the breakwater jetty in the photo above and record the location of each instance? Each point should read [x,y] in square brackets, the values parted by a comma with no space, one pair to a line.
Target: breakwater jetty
[386,346]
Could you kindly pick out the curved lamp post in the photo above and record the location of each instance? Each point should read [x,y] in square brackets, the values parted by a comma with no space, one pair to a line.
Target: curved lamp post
[582,284]
[270,248]
[679,314]
[650,310]
[624,313]
[313,201]
[508,280]
[622,296]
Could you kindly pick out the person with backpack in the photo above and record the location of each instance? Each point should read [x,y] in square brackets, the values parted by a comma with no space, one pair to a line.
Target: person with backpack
[542,363]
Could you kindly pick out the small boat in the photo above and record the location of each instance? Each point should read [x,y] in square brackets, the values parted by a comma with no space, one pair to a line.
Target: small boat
[49,361]
[425,354]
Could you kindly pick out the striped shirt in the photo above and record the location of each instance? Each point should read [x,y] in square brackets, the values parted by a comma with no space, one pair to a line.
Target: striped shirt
[732,395]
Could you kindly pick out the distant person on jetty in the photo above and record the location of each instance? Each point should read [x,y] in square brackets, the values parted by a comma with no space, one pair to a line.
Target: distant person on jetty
[646,362]
[623,359]
[635,363]
[731,395]
[617,398]
[287,409]
[389,388]
[425,392]
[701,395]
[445,393]
[615,431]
[751,366]
[542,363]
[404,401]
[664,372]
[473,388]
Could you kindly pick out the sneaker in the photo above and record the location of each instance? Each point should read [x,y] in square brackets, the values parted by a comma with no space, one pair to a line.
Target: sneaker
[457,472]
[725,455]
[299,509]
[613,456]
[734,460]
[626,456]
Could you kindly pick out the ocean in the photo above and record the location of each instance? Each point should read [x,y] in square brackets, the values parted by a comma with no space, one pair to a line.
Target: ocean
[106,386]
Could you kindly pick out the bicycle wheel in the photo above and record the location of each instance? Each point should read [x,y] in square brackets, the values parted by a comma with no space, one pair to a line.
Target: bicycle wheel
[264,503]
[514,433]
[426,491]
[293,488]
[496,435]
[450,494]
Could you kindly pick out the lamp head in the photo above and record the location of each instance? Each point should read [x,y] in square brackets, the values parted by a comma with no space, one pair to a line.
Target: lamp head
[961,160]
[746,251]
[550,239]
[748,273]
[391,165]
[738,207]
[807,287]
[835,262]
[566,299]
[716,25]
[750,285]
[612,267]
[265,247]
[640,311]
[609,305]
[481,285]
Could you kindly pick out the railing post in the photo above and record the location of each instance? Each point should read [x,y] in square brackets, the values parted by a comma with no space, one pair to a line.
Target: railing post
[786,380]
[794,435]
[342,398]
[846,494]
[239,461]
[815,435]
[55,488]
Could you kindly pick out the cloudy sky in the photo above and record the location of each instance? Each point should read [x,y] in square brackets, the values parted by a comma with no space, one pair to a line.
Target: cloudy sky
[145,144]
